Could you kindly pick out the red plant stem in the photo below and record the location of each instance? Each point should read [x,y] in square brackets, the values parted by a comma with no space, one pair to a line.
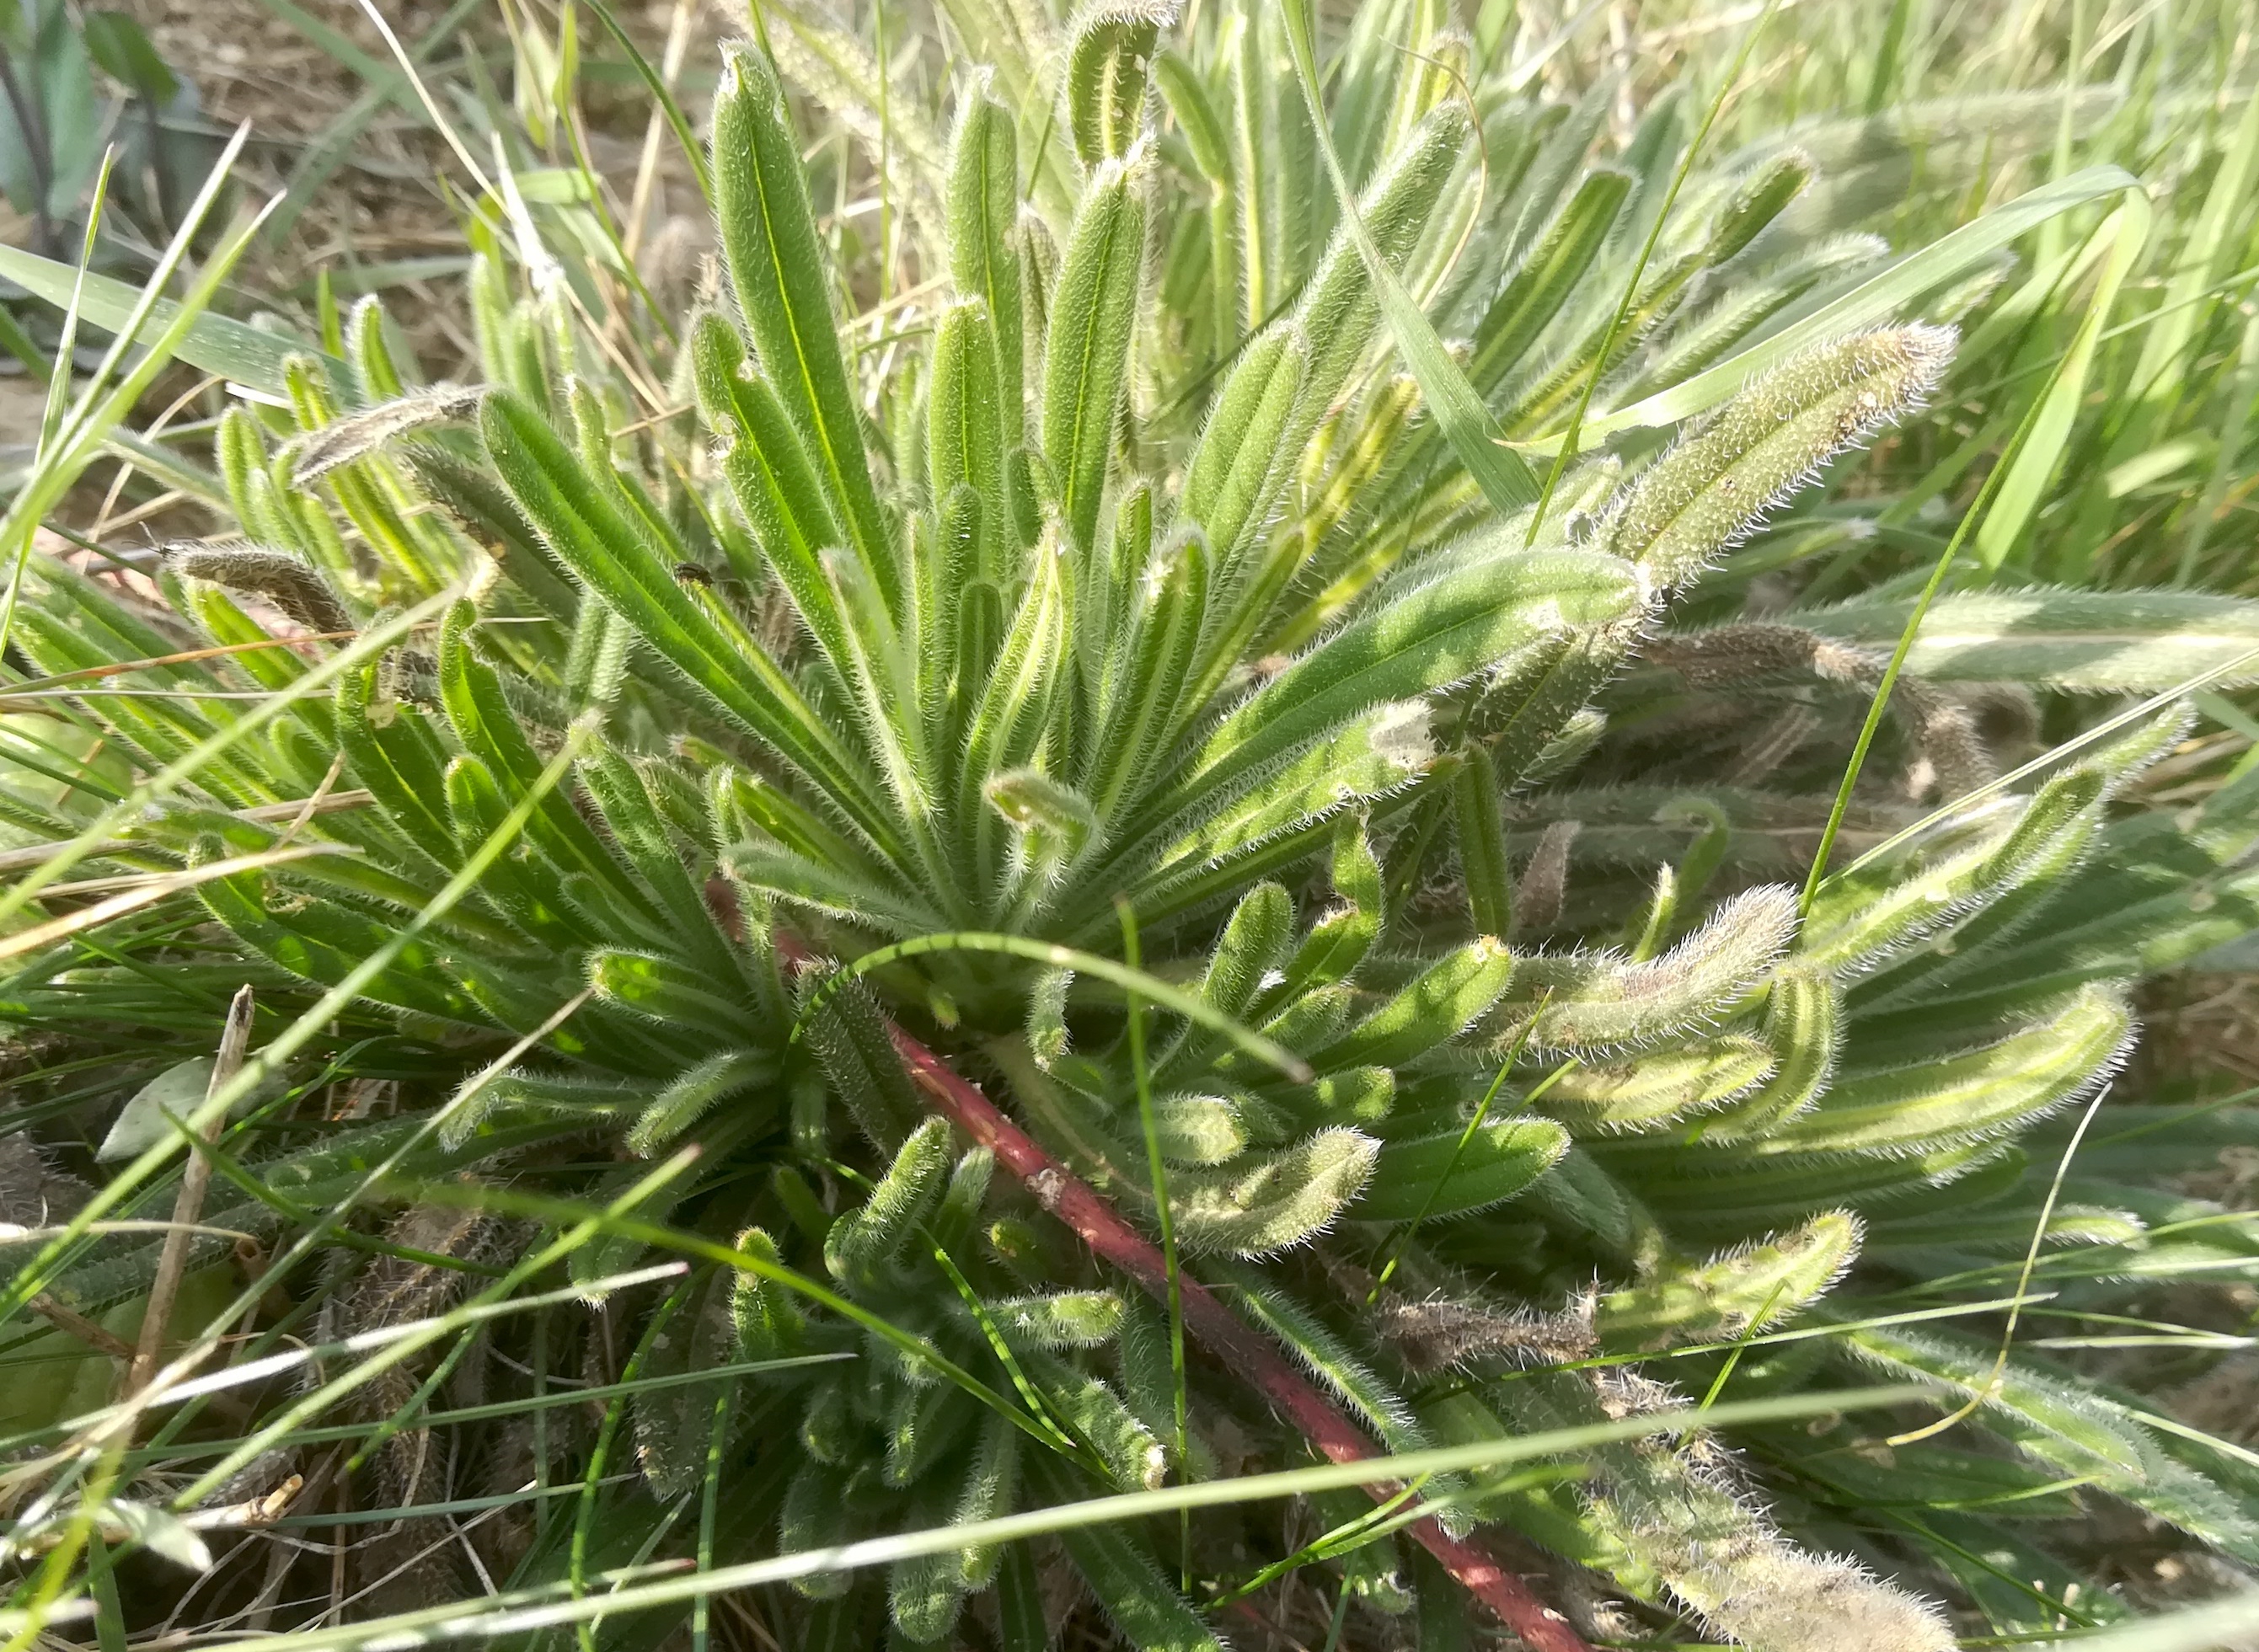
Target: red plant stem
[1245,1351]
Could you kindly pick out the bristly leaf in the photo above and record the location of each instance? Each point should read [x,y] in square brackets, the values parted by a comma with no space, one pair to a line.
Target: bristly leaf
[1433,1009]
[1429,639]
[1951,1099]
[967,431]
[983,198]
[1109,57]
[1734,1294]
[784,293]
[1594,1002]
[1086,355]
[590,536]
[2091,642]
[1687,507]
[1447,1173]
[1763,198]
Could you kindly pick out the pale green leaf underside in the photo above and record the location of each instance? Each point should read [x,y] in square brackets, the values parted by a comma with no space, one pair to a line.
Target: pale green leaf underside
[2100,642]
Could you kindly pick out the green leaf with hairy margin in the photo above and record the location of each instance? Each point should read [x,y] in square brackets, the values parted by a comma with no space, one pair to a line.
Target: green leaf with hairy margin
[1239,451]
[1599,1001]
[984,201]
[784,291]
[1982,1092]
[1086,359]
[1660,1084]
[1804,1031]
[2077,1431]
[1140,705]
[1743,1290]
[1864,914]
[1108,64]
[591,537]
[966,433]
[1426,639]
[1434,1009]
[1431,1177]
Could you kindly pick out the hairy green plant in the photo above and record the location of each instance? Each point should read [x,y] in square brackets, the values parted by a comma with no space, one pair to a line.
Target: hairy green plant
[675,797]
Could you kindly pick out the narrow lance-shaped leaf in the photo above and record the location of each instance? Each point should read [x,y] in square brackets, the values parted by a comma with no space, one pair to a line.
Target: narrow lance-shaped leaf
[965,431]
[1862,917]
[1804,1030]
[1549,278]
[1338,940]
[1008,720]
[1264,421]
[1378,754]
[1684,509]
[588,534]
[784,290]
[1597,1002]
[1442,1002]
[1253,943]
[1481,828]
[770,475]
[1432,636]
[984,261]
[1740,1291]
[1971,1096]
[1130,1587]
[1447,1173]
[1658,1086]
[1108,63]
[1243,447]
[471,692]
[1151,676]
[1086,356]
[869,1237]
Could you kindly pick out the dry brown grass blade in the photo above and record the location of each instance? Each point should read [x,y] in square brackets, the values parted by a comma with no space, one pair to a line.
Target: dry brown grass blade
[146,891]
[296,811]
[189,1205]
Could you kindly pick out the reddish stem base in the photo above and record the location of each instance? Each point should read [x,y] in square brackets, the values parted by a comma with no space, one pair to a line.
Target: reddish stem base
[1222,1332]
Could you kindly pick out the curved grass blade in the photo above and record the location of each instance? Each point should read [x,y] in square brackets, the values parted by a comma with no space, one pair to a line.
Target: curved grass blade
[519,1612]
[1177,1001]
[1942,262]
[1501,473]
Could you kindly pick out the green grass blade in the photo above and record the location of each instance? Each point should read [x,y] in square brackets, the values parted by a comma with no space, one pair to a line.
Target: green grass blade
[1937,266]
[213,344]
[2040,448]
[519,1612]
[1504,477]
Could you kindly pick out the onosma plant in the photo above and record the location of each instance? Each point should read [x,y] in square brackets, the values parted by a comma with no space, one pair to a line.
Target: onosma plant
[821,909]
